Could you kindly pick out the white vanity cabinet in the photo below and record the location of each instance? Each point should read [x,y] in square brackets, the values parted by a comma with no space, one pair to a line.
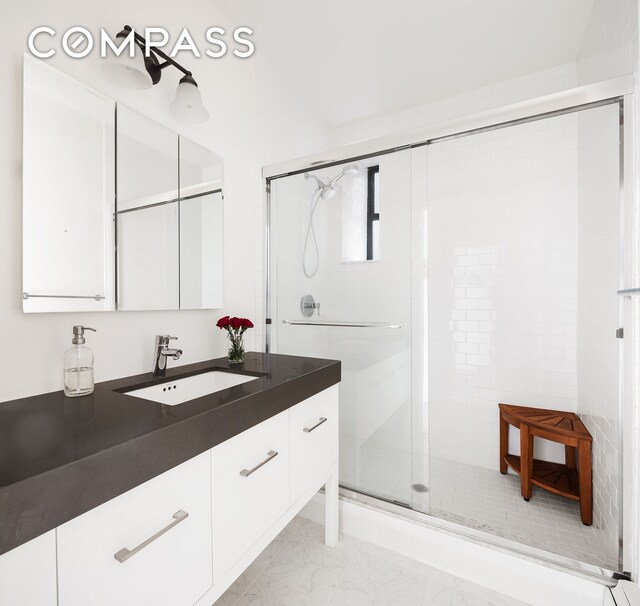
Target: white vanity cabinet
[151,545]
[28,573]
[250,479]
[183,537]
[314,440]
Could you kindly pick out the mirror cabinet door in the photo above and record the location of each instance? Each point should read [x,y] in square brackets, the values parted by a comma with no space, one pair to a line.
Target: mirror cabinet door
[201,227]
[147,214]
[68,194]
[153,241]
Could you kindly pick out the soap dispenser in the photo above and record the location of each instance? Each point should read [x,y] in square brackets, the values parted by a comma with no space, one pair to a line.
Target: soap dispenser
[78,365]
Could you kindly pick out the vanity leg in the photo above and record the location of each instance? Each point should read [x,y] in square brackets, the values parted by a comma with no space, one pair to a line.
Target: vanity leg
[331,509]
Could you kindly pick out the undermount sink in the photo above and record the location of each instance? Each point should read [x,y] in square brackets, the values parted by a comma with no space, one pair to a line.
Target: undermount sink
[189,388]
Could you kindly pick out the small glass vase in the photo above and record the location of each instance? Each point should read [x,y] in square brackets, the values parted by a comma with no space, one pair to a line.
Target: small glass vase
[236,351]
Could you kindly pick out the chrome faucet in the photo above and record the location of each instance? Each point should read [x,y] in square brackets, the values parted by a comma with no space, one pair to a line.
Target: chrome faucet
[161,352]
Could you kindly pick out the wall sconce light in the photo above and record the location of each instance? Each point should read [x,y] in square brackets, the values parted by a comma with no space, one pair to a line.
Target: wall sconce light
[140,72]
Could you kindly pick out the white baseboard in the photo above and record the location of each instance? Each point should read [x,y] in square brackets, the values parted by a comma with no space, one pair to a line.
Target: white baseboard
[510,574]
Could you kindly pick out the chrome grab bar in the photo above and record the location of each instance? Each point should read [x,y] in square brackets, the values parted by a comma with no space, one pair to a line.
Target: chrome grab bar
[344,324]
[26,295]
[124,554]
[627,292]
[272,454]
[321,420]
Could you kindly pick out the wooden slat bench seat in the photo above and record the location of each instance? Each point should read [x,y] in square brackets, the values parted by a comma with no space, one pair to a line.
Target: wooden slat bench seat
[572,480]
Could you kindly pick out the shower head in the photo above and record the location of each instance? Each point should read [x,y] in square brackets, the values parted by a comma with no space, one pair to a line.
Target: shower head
[326,189]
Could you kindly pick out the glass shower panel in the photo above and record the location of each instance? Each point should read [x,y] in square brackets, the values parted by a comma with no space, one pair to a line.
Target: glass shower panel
[522,248]
[330,301]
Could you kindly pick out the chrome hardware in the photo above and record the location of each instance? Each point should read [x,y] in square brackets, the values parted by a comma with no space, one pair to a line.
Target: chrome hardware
[308,306]
[162,352]
[344,324]
[272,454]
[26,295]
[627,292]
[321,420]
[124,554]
[619,333]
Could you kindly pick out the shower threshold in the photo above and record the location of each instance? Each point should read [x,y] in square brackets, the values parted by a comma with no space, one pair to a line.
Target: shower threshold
[592,572]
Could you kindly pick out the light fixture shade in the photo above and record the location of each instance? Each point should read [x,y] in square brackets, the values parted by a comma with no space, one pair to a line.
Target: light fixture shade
[127,71]
[187,105]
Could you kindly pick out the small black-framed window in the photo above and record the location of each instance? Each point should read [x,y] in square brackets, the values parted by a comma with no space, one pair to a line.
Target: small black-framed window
[373,212]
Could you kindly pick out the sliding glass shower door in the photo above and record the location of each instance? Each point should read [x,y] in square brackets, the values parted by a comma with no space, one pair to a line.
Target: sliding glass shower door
[449,278]
[523,246]
[341,273]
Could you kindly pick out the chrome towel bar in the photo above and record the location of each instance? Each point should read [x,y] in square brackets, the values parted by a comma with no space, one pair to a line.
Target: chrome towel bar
[344,324]
[26,295]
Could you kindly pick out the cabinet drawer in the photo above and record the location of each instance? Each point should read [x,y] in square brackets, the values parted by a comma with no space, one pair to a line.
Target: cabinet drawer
[314,439]
[250,488]
[161,532]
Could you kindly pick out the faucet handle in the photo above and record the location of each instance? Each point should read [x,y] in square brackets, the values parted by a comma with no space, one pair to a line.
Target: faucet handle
[163,340]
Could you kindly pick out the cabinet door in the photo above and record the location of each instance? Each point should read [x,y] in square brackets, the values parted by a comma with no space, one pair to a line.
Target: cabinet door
[314,440]
[250,488]
[28,573]
[151,545]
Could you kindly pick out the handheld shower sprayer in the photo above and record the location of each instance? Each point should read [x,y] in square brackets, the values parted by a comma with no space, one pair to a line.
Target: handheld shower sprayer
[323,191]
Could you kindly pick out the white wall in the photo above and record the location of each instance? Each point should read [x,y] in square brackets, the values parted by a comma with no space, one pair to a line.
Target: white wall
[243,120]
[488,97]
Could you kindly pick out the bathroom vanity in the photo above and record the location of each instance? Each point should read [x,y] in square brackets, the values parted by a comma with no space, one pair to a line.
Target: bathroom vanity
[117,499]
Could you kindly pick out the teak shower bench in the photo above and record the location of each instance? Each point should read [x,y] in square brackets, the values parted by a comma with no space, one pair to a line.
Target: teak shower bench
[558,426]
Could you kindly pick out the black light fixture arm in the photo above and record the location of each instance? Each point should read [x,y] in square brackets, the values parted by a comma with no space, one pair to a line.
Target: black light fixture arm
[151,62]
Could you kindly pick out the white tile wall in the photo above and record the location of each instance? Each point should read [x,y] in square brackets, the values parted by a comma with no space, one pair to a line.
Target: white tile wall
[376,387]
[598,313]
[609,49]
[502,246]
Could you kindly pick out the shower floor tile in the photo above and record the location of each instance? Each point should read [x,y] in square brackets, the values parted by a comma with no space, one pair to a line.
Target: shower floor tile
[479,498]
[486,500]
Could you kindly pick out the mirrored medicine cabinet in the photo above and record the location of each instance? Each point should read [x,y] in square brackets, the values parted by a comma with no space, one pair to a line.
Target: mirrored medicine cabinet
[119,212]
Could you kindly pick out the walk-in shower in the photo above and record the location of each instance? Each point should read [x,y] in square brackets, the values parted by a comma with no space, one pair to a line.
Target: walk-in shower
[494,279]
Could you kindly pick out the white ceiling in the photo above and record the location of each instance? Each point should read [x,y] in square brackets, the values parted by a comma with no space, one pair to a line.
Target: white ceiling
[352,59]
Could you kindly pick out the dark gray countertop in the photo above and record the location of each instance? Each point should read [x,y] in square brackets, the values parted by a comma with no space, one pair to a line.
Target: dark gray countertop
[61,457]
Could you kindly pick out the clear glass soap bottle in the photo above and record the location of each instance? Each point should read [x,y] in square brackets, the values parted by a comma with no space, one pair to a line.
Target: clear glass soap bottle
[78,365]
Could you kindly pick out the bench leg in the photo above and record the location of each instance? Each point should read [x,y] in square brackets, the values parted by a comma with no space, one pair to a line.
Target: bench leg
[584,474]
[570,456]
[504,443]
[526,461]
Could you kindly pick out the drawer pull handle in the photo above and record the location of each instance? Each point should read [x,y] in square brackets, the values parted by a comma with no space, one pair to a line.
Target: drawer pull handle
[321,420]
[124,554]
[272,454]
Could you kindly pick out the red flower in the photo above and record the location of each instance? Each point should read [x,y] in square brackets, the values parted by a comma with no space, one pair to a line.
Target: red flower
[235,323]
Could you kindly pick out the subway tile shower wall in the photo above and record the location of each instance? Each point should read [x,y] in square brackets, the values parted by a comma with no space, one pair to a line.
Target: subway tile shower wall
[523,267]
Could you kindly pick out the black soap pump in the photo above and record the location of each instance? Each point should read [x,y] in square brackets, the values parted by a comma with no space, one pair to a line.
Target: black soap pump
[78,365]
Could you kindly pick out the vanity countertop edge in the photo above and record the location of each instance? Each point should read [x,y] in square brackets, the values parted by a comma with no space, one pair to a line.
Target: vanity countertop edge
[61,457]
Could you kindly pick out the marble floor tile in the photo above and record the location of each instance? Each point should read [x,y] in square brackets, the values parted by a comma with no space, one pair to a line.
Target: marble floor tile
[297,569]
[373,581]
[267,591]
[306,563]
